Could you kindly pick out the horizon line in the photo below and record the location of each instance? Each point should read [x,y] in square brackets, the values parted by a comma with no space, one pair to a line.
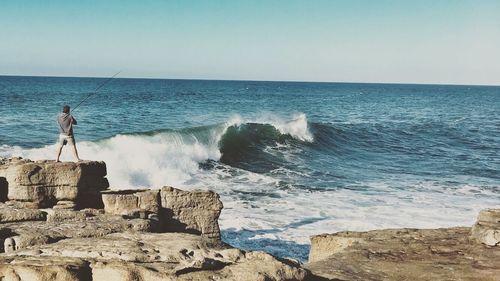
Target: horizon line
[253,80]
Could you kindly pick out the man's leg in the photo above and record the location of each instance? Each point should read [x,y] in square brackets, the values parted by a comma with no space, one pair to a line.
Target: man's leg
[75,152]
[58,150]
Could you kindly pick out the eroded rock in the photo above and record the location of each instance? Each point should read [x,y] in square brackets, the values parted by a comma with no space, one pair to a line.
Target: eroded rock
[44,183]
[10,214]
[131,202]
[65,224]
[194,212]
[403,254]
[487,228]
[36,268]
[160,256]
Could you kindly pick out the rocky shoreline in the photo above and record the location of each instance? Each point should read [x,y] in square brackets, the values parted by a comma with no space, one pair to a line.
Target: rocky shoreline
[60,221]
[410,254]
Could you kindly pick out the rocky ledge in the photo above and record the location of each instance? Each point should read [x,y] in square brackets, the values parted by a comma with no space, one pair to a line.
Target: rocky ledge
[59,221]
[458,253]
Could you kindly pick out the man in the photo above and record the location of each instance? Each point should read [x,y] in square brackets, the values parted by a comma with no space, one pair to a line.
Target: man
[66,122]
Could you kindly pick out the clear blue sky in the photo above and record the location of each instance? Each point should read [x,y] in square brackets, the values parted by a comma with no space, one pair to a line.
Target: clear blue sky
[456,42]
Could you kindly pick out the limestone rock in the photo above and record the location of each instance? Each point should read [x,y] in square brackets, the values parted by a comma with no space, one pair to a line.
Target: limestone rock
[403,254]
[326,245]
[158,256]
[487,228]
[9,214]
[17,242]
[65,215]
[33,268]
[22,205]
[65,224]
[131,202]
[262,266]
[46,182]
[115,235]
[194,212]
[65,204]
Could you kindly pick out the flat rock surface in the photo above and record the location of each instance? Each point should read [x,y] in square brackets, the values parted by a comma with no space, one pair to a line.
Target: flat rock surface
[11,214]
[404,254]
[145,256]
[41,184]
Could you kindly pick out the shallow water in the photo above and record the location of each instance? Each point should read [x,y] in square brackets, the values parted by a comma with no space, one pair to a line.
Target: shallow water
[289,160]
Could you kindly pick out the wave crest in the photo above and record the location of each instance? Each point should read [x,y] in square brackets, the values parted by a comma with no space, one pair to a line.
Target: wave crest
[173,157]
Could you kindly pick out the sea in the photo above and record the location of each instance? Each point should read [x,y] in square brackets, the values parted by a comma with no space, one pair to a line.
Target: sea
[289,159]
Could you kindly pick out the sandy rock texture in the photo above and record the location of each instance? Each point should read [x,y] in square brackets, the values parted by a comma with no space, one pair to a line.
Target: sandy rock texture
[42,184]
[487,228]
[194,212]
[409,254]
[59,221]
[156,256]
[51,229]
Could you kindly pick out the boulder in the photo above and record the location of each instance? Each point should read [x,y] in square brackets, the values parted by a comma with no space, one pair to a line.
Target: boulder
[193,212]
[44,183]
[177,211]
[131,202]
[487,228]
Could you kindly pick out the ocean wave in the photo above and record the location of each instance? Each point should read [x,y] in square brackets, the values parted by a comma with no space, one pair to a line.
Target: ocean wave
[270,195]
[173,157]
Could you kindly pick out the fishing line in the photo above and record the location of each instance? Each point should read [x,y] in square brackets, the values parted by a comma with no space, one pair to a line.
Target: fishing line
[96,89]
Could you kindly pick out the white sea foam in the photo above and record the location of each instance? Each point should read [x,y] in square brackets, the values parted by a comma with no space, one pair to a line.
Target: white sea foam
[168,158]
[299,214]
[139,161]
[253,202]
[297,127]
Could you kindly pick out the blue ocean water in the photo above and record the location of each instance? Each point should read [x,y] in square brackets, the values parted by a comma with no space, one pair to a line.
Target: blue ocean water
[289,159]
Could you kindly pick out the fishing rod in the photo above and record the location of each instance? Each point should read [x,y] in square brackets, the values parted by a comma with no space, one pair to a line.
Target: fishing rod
[96,89]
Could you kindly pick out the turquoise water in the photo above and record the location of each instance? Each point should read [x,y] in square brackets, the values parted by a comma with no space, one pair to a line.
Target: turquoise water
[289,159]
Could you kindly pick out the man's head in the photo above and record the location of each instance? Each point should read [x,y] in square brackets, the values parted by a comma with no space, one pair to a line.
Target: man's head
[66,109]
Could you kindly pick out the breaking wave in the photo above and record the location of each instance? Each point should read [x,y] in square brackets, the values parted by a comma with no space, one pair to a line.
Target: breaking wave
[173,157]
[286,179]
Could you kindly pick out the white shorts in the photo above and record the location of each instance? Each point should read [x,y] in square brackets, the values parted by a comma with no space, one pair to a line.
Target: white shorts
[63,139]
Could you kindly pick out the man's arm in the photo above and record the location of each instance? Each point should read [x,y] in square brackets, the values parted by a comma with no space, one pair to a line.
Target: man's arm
[74,120]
